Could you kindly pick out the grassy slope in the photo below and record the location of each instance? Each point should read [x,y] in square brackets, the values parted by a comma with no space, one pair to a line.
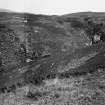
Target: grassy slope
[60,44]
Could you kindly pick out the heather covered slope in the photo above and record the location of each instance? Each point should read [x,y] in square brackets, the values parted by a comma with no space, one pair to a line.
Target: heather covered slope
[36,48]
[28,37]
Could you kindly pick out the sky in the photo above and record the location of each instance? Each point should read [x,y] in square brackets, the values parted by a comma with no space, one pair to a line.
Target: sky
[53,7]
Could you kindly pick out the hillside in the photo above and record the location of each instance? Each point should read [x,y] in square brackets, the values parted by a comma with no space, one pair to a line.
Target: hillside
[36,49]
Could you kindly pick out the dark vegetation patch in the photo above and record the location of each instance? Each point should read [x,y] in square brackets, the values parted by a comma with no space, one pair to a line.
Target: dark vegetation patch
[91,27]
[75,23]
[11,88]
[36,95]
[34,18]
[44,71]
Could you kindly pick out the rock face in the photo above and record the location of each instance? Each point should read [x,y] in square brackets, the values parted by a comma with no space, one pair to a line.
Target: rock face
[38,47]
